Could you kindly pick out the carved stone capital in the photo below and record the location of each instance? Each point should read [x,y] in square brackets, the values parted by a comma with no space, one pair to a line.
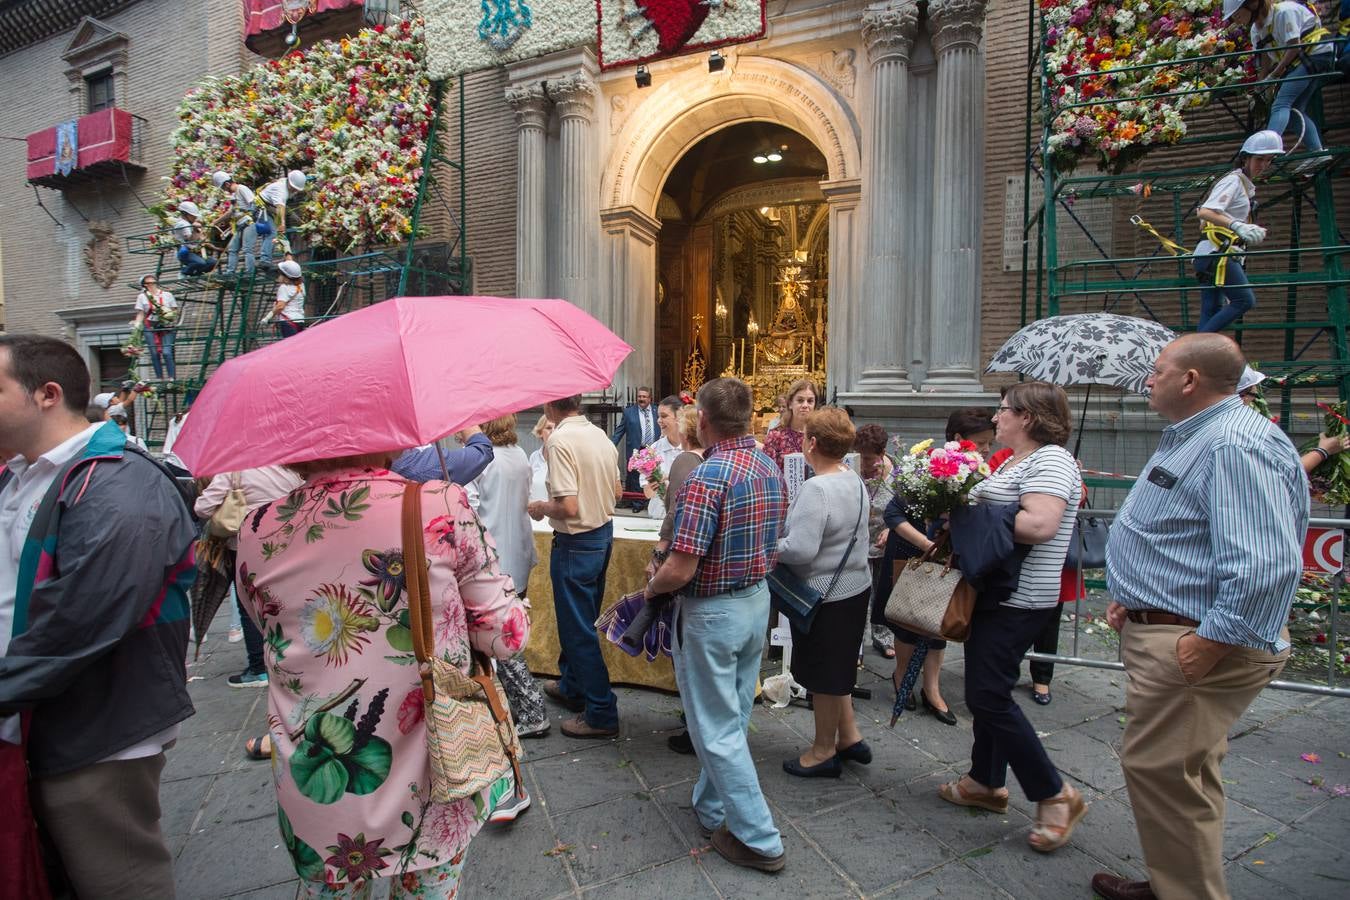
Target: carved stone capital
[574,96]
[888,30]
[530,105]
[956,23]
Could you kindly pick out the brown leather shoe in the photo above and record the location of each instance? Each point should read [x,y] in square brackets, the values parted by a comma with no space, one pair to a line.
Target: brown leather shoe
[580,728]
[733,851]
[1113,887]
[554,693]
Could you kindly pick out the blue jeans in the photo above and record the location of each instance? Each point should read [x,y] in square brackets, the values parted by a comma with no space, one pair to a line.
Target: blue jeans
[192,264]
[577,567]
[716,649]
[161,352]
[1296,94]
[247,238]
[1215,315]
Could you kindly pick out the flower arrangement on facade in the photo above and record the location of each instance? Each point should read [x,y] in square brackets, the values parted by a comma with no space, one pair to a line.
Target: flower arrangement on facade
[134,348]
[648,464]
[1093,51]
[934,480]
[1330,481]
[353,114]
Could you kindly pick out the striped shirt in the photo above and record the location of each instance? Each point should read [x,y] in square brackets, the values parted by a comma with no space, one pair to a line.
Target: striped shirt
[1213,529]
[729,512]
[1049,469]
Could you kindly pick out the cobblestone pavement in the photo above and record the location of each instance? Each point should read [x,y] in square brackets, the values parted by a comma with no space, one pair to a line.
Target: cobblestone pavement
[612,819]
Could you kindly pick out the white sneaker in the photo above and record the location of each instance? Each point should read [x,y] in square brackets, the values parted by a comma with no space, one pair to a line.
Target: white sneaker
[510,809]
[536,731]
[235,636]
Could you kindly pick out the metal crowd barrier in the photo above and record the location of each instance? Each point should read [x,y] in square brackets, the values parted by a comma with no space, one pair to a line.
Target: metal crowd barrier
[1337,582]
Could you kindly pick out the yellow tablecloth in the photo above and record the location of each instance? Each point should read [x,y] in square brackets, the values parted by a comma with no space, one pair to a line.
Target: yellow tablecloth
[633,540]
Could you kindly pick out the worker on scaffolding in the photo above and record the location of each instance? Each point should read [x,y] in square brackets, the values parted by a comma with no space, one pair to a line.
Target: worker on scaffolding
[1311,52]
[271,225]
[188,233]
[242,213]
[1225,219]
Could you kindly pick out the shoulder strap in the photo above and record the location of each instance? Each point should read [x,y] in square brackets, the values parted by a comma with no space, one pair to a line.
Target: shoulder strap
[415,576]
[852,542]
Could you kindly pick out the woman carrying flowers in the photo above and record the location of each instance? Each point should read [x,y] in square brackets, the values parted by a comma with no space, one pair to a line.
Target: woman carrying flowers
[322,575]
[157,313]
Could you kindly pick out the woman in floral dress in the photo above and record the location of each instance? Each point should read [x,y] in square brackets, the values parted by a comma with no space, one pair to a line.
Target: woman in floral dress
[787,437]
[322,575]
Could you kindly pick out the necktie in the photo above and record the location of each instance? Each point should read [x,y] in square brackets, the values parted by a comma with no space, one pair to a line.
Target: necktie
[646,425]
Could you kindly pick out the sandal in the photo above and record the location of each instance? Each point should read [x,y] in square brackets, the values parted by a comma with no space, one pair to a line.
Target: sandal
[887,652]
[954,792]
[253,748]
[1043,837]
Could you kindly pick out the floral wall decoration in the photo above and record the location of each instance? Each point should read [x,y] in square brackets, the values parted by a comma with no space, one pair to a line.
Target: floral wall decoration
[635,31]
[352,114]
[466,36]
[1096,40]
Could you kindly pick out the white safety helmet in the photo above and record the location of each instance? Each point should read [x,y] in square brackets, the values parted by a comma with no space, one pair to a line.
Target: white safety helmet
[296,179]
[1230,8]
[1250,379]
[188,208]
[290,268]
[1264,143]
[220,178]
[103,401]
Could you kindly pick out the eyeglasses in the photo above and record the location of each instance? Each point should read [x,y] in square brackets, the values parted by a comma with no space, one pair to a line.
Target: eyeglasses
[1008,409]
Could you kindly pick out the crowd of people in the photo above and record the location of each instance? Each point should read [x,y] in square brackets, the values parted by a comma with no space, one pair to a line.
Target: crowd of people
[1201,569]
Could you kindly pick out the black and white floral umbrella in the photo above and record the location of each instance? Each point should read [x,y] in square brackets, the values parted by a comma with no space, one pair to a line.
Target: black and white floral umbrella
[1089,348]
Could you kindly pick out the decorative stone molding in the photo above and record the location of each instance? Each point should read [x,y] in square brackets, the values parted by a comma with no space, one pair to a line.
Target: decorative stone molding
[956,23]
[618,112]
[574,96]
[780,192]
[103,253]
[888,30]
[530,105]
[839,70]
[94,48]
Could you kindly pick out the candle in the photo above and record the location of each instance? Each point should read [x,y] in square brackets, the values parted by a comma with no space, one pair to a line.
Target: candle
[754,362]
[742,368]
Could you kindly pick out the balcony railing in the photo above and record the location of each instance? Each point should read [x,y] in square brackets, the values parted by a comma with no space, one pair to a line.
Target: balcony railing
[106,142]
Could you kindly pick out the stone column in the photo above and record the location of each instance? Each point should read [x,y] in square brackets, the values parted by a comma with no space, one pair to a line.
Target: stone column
[578,199]
[888,31]
[958,141]
[629,263]
[842,308]
[531,109]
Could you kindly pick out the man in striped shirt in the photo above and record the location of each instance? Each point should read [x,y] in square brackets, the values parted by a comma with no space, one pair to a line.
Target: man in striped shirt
[1203,562]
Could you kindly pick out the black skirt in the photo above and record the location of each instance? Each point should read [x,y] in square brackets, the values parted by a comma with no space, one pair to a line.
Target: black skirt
[825,659]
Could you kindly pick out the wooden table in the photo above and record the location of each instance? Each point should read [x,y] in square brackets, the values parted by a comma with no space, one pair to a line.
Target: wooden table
[633,540]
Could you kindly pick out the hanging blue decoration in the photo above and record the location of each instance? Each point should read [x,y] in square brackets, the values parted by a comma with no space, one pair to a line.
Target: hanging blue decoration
[504,21]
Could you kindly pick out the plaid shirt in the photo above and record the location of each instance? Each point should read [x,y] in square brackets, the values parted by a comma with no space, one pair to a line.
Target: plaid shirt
[729,512]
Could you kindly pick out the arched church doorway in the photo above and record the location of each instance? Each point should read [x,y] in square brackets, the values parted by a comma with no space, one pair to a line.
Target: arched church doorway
[742,261]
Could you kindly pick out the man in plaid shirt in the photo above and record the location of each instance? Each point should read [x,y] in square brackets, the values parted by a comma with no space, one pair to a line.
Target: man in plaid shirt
[727,517]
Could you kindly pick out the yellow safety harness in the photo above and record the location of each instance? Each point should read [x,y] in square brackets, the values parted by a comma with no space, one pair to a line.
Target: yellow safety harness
[1225,241]
[1314,33]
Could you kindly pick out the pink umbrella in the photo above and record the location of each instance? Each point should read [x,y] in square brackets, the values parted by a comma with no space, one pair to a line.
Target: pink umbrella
[397,374]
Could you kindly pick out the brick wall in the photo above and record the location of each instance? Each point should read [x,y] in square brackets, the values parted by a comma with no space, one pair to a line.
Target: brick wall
[173,44]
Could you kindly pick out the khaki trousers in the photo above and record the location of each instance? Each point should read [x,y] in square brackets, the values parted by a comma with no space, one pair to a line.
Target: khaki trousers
[104,821]
[1176,735]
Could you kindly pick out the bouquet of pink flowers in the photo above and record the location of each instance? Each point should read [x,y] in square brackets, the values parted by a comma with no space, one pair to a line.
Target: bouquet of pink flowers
[645,462]
[934,480]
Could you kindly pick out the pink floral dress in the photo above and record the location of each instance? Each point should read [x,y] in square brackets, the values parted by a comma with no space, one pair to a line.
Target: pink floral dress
[322,574]
[781,441]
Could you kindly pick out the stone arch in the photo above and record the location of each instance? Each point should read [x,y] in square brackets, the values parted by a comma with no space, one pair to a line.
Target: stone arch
[689,105]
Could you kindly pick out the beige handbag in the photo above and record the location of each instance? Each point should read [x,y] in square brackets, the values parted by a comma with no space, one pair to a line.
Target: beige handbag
[228,518]
[470,736]
[931,598]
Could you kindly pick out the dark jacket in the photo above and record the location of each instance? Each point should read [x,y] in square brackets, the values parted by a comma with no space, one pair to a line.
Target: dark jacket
[989,558]
[101,617]
[630,431]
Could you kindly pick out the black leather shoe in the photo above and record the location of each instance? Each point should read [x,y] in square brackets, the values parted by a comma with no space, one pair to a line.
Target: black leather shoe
[859,753]
[1113,887]
[830,768]
[680,743]
[1040,699]
[945,716]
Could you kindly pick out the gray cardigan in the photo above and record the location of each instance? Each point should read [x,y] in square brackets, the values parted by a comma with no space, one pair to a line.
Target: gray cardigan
[821,520]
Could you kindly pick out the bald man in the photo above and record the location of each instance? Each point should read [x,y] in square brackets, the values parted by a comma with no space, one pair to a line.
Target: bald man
[1203,562]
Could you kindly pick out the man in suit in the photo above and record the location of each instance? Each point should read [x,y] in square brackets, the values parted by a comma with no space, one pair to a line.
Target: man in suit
[638,427]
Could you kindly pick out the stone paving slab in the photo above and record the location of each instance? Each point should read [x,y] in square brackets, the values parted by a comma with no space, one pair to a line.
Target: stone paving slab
[612,819]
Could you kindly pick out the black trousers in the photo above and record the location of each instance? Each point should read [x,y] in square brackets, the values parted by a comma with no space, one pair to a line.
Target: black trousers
[1046,642]
[1003,736]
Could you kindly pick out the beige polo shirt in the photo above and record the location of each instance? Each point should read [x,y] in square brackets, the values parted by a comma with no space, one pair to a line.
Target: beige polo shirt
[582,461]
